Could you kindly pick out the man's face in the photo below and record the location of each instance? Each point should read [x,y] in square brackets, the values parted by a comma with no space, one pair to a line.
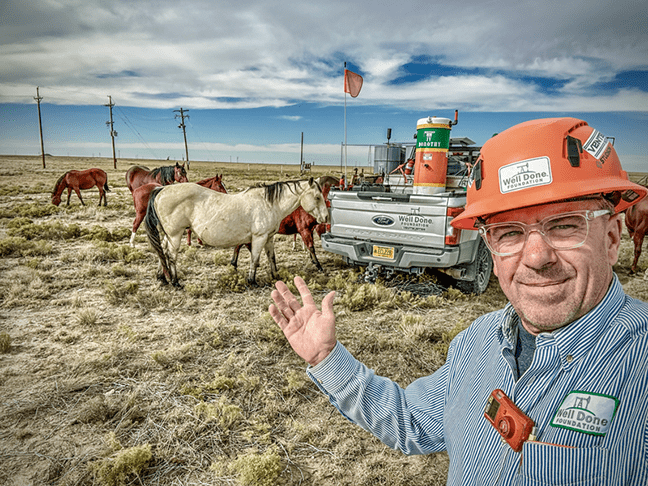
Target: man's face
[550,288]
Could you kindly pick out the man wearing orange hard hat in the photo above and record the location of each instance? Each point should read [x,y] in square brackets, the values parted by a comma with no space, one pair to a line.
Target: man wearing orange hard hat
[553,388]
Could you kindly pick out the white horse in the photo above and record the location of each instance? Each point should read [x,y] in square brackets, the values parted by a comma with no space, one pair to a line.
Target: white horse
[226,220]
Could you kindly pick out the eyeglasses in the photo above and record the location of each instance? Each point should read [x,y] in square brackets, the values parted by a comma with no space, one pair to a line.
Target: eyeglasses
[564,231]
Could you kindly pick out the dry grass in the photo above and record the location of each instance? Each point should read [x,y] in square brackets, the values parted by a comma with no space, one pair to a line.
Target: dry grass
[106,378]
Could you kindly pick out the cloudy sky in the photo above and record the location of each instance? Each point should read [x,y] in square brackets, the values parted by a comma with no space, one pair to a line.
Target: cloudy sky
[256,74]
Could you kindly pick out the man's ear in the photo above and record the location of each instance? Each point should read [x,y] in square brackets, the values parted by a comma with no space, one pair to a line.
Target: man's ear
[614,231]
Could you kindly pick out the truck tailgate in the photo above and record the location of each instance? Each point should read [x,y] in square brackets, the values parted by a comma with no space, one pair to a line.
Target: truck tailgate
[389,218]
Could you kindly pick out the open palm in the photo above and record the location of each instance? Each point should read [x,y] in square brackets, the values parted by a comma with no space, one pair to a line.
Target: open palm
[310,332]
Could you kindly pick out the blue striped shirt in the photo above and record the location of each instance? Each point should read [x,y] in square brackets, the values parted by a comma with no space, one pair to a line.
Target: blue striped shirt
[599,363]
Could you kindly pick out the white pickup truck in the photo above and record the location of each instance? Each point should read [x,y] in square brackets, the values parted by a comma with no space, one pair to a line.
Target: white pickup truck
[386,228]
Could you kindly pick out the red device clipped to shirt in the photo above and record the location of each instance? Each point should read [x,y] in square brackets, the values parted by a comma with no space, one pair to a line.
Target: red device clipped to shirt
[511,422]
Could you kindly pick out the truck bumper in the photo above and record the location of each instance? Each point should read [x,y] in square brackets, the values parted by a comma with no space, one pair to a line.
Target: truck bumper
[405,258]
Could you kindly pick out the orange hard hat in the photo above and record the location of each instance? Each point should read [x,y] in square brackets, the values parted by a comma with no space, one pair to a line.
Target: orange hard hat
[544,161]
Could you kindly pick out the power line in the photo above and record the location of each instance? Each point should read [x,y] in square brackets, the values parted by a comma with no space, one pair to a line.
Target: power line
[206,147]
[131,125]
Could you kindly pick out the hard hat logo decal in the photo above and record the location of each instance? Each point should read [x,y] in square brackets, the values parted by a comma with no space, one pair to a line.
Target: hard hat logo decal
[525,174]
[595,144]
[604,157]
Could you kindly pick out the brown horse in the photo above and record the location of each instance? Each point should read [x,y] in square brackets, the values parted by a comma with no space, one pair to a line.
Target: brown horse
[636,219]
[142,194]
[138,175]
[302,223]
[78,180]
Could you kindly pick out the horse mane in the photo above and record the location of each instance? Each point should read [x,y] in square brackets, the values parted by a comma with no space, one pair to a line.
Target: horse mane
[274,190]
[167,174]
[58,183]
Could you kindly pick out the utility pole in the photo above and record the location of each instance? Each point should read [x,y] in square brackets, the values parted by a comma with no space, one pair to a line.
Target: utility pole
[301,155]
[113,133]
[182,116]
[38,99]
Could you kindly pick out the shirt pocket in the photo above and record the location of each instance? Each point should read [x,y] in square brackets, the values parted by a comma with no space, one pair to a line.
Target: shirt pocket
[544,464]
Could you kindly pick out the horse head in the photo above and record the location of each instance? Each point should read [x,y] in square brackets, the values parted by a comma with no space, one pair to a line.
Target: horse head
[313,201]
[59,187]
[214,183]
[326,182]
[179,173]
[217,184]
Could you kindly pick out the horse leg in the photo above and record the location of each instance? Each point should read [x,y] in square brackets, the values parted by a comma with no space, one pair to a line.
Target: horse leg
[69,195]
[307,239]
[78,193]
[171,245]
[162,273]
[139,216]
[235,255]
[638,243]
[102,195]
[270,253]
[237,250]
[257,245]
[165,273]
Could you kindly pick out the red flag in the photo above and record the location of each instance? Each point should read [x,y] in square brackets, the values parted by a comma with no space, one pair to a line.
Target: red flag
[352,83]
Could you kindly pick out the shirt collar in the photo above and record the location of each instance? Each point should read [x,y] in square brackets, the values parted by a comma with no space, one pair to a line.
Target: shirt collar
[577,338]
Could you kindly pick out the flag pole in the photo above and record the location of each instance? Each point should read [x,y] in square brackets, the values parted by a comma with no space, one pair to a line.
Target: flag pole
[345,132]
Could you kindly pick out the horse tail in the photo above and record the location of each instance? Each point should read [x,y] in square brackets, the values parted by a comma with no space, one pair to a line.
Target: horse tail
[106,188]
[151,223]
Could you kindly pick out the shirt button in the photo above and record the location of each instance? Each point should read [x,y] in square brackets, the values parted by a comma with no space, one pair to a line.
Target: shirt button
[570,358]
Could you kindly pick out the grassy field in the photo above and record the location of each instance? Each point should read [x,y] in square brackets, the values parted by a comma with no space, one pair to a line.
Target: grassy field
[106,378]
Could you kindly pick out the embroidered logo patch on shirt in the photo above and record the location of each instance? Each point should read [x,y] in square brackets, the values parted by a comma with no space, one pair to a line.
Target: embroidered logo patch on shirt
[589,413]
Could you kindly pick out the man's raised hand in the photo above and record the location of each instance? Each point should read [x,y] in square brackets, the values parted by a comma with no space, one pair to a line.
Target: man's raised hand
[310,332]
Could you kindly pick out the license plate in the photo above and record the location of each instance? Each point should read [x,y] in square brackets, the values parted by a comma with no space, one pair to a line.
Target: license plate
[383,252]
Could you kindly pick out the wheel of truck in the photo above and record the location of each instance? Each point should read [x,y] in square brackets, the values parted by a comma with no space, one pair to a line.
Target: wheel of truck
[484,267]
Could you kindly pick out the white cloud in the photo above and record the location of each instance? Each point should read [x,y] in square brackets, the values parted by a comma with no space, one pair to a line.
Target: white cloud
[205,54]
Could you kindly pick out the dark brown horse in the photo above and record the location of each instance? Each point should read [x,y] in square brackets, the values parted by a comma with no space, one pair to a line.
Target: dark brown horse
[142,194]
[636,219]
[302,223]
[78,180]
[138,175]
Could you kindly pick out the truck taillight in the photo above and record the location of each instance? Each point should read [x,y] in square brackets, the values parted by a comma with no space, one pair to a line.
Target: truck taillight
[452,234]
